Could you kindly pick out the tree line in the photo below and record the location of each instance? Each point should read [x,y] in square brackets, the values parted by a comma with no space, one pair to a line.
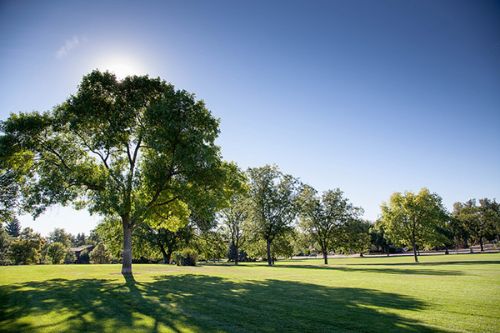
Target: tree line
[142,154]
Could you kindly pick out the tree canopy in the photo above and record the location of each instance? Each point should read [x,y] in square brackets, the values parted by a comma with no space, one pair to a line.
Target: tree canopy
[135,149]
[413,219]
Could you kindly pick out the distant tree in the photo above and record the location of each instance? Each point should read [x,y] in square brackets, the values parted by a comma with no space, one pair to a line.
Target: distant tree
[412,219]
[171,241]
[480,221]
[80,239]
[125,149]
[356,236]
[273,203]
[210,245]
[56,251]
[236,214]
[59,235]
[26,249]
[13,227]
[5,240]
[324,217]
[100,255]
[69,257]
[378,237]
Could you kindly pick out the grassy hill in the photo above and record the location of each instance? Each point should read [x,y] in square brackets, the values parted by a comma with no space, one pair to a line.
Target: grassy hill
[454,293]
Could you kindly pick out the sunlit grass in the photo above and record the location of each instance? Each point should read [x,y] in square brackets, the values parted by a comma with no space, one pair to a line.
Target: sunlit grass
[455,293]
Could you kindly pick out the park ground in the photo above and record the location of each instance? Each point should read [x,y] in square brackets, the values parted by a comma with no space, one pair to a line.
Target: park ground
[453,293]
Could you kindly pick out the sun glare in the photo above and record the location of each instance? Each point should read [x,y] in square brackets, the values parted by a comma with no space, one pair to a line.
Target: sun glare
[121,66]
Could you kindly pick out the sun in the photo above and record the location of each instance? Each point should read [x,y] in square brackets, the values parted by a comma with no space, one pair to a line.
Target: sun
[122,66]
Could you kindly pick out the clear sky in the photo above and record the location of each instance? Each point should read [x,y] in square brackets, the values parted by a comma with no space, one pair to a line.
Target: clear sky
[369,96]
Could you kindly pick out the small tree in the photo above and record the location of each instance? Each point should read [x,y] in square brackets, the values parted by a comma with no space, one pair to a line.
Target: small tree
[100,255]
[13,227]
[273,203]
[413,219]
[56,252]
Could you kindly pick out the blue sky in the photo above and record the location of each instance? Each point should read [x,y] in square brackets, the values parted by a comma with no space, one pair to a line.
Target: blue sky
[369,96]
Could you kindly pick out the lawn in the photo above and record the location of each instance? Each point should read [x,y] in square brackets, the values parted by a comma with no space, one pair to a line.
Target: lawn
[454,293]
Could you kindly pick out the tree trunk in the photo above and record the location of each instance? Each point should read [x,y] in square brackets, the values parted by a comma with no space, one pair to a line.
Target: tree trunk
[127,247]
[481,243]
[415,251]
[166,259]
[325,256]
[269,257]
[169,254]
[236,259]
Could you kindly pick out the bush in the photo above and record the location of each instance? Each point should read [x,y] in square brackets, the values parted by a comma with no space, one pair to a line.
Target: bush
[100,255]
[70,257]
[186,257]
[56,252]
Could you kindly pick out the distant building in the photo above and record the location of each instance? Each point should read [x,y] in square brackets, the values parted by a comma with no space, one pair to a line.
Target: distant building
[82,258]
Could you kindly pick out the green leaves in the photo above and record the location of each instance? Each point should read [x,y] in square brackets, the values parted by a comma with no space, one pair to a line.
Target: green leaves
[411,218]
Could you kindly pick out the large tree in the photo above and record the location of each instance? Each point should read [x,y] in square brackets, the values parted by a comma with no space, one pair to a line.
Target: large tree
[323,217]
[126,149]
[273,196]
[414,219]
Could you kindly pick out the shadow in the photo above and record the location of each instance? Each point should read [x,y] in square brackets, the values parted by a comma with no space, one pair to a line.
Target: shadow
[403,271]
[440,263]
[202,304]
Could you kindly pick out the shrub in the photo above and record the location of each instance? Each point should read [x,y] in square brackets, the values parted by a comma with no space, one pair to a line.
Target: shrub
[56,252]
[70,257]
[100,255]
[186,257]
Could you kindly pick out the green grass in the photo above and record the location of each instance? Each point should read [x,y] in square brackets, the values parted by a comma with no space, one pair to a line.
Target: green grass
[455,293]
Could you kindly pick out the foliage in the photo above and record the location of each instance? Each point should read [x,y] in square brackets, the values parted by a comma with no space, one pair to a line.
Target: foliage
[186,257]
[5,240]
[210,245]
[69,257]
[80,239]
[13,227]
[134,149]
[59,235]
[273,203]
[100,255]
[26,249]
[108,232]
[413,219]
[325,219]
[56,251]
[355,237]
[237,213]
[479,222]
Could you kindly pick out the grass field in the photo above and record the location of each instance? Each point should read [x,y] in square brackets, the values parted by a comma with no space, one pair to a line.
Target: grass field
[455,293]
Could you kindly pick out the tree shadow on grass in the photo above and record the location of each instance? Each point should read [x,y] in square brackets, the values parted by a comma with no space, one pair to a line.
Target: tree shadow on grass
[439,263]
[403,271]
[202,304]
